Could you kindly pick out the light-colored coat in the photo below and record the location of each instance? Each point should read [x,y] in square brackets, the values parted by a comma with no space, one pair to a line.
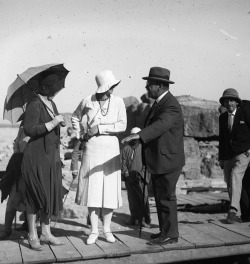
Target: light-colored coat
[99,183]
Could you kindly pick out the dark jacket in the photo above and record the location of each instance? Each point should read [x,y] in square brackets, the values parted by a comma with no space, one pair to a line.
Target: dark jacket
[238,140]
[163,137]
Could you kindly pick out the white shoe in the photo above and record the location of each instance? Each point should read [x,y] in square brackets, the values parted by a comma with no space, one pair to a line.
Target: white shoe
[109,237]
[92,238]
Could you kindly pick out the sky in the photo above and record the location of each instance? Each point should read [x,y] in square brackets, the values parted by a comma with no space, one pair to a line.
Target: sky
[204,43]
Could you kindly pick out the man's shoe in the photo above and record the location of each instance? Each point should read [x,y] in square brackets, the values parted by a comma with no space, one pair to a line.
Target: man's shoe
[163,240]
[154,236]
[231,218]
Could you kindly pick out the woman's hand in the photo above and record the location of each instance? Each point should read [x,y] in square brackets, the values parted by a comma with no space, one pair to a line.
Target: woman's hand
[57,120]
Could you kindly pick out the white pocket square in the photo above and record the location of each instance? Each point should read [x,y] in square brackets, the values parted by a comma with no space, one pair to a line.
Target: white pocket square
[242,122]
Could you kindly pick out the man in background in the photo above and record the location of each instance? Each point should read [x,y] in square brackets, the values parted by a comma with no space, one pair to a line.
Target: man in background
[234,147]
[136,179]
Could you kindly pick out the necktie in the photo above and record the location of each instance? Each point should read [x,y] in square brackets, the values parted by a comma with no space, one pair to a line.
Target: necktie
[150,112]
[153,107]
[230,121]
[133,154]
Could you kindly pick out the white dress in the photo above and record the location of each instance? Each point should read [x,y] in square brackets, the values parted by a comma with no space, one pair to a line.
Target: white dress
[99,183]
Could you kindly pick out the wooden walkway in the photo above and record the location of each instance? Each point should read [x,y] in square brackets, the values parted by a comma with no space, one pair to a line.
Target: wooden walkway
[197,241]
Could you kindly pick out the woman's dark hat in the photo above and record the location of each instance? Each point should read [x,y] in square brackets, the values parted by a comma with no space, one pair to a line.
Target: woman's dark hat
[158,74]
[230,93]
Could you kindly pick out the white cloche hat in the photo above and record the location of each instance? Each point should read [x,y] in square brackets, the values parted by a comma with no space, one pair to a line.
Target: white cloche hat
[105,80]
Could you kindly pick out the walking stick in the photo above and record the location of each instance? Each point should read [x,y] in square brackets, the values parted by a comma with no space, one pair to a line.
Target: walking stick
[64,200]
[142,204]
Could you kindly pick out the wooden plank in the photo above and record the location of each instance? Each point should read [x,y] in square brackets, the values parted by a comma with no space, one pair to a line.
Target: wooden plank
[190,255]
[221,195]
[66,252]
[228,237]
[113,250]
[87,251]
[138,245]
[181,201]
[211,196]
[240,228]
[207,199]
[179,256]
[195,198]
[198,238]
[10,252]
[31,256]
[189,200]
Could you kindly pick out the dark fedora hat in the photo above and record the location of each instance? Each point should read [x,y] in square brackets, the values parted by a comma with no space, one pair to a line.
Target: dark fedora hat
[230,93]
[158,74]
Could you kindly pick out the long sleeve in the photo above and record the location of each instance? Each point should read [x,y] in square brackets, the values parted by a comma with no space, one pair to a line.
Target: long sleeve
[75,157]
[32,125]
[76,117]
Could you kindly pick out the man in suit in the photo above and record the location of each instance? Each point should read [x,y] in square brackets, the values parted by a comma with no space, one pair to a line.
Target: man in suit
[234,147]
[162,139]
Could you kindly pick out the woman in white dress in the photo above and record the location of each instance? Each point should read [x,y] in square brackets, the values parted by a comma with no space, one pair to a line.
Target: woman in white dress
[99,184]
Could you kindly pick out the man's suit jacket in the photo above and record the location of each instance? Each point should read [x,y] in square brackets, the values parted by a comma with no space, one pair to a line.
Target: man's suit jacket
[163,137]
[238,140]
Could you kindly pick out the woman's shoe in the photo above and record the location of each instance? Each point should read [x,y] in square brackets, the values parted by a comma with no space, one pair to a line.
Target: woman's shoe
[35,244]
[109,237]
[53,242]
[92,238]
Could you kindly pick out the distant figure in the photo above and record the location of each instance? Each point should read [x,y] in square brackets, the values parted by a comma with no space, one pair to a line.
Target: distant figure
[99,180]
[41,167]
[12,185]
[133,173]
[162,141]
[234,147]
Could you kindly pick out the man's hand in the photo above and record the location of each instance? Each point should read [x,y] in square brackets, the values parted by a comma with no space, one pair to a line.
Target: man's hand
[129,138]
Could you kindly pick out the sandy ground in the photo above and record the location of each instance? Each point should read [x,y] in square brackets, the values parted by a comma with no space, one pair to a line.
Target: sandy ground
[73,219]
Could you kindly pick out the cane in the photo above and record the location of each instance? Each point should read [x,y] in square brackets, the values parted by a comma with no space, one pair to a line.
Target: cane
[64,200]
[142,204]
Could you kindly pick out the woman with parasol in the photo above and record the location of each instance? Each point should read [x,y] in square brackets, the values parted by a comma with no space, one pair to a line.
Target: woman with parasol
[41,167]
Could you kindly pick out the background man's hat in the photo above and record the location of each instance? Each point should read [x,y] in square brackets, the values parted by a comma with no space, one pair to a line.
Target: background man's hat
[105,80]
[230,93]
[158,74]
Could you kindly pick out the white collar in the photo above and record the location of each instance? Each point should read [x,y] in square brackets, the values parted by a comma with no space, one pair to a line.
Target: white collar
[234,112]
[160,97]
